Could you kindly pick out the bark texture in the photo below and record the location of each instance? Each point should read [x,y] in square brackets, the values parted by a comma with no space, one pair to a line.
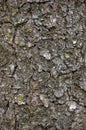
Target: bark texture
[42,65]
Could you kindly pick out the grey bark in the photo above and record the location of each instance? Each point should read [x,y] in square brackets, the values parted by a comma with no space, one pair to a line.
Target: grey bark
[42,65]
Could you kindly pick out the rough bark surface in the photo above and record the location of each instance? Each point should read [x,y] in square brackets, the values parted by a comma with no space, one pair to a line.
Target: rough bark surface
[42,65]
